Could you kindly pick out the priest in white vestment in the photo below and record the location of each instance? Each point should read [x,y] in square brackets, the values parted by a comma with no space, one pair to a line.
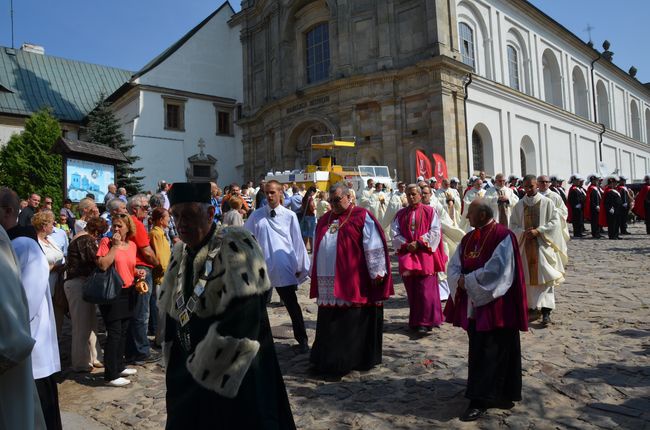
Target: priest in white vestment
[544,188]
[538,228]
[501,199]
[451,236]
[450,200]
[384,206]
[471,194]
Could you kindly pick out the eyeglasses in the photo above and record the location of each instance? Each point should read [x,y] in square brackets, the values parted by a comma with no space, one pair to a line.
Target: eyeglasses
[120,216]
[145,207]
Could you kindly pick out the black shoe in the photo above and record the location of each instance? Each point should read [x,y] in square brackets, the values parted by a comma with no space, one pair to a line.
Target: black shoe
[546,318]
[423,330]
[472,414]
[303,348]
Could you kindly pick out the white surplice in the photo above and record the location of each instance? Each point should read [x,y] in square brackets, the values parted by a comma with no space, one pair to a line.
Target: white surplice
[452,234]
[560,206]
[35,274]
[282,245]
[373,248]
[467,200]
[20,407]
[431,237]
[492,197]
[551,249]
[487,283]
[454,212]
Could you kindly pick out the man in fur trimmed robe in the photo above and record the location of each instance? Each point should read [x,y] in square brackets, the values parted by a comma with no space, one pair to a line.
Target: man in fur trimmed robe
[538,228]
[222,371]
[488,300]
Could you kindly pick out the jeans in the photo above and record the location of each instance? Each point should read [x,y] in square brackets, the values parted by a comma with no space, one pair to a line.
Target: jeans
[116,332]
[153,310]
[137,343]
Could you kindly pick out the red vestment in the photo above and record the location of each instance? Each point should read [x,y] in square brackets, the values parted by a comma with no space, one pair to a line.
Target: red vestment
[507,311]
[352,282]
[639,206]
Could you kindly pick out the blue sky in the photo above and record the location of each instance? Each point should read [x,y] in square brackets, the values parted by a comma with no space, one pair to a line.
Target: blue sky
[127,34]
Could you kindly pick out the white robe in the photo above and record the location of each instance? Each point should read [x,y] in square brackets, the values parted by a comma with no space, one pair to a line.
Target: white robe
[374,252]
[451,237]
[455,211]
[383,206]
[282,245]
[467,200]
[560,206]
[35,274]
[20,406]
[551,249]
[492,197]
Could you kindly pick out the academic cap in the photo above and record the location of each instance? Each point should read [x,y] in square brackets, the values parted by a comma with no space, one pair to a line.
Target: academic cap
[186,192]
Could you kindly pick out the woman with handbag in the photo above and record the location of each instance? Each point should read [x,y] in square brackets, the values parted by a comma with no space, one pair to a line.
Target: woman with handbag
[119,251]
[80,263]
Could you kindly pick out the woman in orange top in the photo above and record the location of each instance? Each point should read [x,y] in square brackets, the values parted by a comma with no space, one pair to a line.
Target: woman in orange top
[119,250]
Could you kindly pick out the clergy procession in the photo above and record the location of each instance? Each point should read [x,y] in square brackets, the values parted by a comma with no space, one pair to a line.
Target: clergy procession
[490,259]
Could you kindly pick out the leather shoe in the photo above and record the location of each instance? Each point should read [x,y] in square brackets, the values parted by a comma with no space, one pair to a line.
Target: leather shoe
[472,414]
[303,348]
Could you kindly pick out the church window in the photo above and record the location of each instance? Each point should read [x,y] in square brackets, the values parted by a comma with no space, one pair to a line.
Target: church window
[580,95]
[636,121]
[477,151]
[174,113]
[201,171]
[513,67]
[647,125]
[318,53]
[602,102]
[466,35]
[552,79]
[224,123]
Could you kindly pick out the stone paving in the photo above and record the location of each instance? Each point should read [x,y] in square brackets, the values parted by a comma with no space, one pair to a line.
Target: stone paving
[589,369]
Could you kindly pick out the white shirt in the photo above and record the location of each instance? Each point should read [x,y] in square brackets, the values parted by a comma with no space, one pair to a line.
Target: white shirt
[281,243]
[34,273]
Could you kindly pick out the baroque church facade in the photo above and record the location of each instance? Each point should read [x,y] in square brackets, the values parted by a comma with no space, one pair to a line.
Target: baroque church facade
[489,85]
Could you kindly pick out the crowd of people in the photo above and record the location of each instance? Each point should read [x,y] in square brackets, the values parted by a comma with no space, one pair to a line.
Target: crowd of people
[198,264]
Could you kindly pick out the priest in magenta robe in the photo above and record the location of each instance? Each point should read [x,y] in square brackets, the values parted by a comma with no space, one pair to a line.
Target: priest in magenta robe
[350,279]
[416,233]
[488,300]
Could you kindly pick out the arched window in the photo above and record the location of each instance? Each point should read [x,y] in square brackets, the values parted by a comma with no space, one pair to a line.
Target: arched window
[522,161]
[318,53]
[602,102]
[636,121]
[647,125]
[580,96]
[552,79]
[477,151]
[513,67]
[466,35]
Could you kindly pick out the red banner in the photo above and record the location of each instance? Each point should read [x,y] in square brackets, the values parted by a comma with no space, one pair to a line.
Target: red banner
[439,167]
[422,165]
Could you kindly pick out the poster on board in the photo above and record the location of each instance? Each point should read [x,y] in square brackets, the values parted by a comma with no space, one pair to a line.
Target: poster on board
[83,177]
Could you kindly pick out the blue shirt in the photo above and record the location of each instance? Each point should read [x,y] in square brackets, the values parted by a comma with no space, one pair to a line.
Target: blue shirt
[294,202]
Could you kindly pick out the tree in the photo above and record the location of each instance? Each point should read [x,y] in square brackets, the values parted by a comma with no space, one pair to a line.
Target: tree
[104,128]
[26,164]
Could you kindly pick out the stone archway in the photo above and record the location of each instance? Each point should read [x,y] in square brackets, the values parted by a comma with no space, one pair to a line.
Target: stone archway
[296,151]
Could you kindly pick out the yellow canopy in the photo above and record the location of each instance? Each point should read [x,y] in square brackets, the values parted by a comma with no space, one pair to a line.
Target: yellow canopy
[333,144]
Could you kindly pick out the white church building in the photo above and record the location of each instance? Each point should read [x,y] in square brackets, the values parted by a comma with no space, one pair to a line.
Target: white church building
[541,100]
[179,110]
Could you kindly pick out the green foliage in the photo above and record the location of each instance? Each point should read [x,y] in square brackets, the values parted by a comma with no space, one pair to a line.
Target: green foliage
[104,128]
[26,164]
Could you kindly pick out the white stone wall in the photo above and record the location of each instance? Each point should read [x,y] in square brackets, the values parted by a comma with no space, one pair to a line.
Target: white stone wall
[206,67]
[558,139]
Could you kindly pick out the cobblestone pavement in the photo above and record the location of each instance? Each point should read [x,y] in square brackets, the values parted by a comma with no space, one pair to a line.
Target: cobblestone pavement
[589,369]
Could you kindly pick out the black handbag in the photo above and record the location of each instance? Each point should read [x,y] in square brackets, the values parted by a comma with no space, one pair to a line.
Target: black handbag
[103,286]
